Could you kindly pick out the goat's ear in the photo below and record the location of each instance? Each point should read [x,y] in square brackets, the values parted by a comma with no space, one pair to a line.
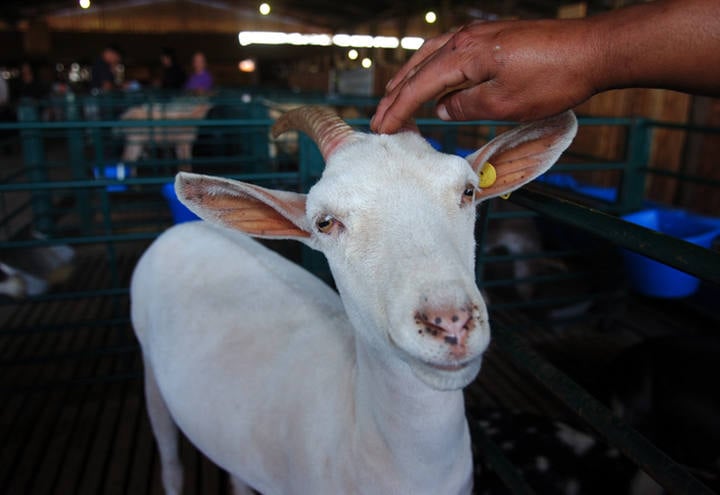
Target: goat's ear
[255,210]
[523,153]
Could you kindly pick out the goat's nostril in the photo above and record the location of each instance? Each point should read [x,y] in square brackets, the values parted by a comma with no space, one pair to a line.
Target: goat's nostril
[449,325]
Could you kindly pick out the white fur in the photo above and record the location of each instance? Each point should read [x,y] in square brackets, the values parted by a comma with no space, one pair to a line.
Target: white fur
[288,387]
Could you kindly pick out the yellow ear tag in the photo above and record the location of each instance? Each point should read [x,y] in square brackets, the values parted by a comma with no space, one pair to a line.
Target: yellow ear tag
[487,175]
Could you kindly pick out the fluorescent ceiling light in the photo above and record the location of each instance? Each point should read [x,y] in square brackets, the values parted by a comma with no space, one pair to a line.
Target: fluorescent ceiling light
[276,38]
[411,42]
[343,40]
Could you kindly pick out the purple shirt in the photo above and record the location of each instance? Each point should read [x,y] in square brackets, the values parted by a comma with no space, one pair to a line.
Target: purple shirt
[202,82]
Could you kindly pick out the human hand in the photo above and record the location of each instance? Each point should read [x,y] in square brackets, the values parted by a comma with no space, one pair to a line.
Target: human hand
[515,70]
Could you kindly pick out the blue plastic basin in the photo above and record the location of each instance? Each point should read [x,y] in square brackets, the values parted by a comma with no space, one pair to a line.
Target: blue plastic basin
[657,279]
[117,171]
[179,211]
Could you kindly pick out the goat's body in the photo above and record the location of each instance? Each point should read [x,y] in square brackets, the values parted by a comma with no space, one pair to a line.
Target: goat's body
[256,361]
[276,380]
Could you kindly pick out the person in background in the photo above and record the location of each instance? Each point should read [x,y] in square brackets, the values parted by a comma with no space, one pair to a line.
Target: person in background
[200,80]
[4,93]
[527,70]
[173,76]
[6,112]
[104,70]
[29,85]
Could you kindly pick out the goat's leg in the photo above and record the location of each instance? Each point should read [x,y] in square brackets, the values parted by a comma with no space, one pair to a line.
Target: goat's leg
[239,487]
[166,435]
[131,154]
[183,150]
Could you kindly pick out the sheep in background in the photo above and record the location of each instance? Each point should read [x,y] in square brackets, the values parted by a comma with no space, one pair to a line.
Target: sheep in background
[33,271]
[292,389]
[181,138]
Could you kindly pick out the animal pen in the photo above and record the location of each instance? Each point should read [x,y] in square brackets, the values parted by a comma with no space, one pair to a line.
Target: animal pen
[77,210]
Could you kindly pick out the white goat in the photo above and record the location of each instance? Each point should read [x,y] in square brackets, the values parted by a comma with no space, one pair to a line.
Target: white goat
[182,138]
[278,380]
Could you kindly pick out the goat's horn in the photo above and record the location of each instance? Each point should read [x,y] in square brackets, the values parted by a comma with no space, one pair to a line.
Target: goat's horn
[323,126]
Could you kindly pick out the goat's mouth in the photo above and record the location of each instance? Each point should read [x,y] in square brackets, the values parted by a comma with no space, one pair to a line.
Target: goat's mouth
[448,367]
[447,376]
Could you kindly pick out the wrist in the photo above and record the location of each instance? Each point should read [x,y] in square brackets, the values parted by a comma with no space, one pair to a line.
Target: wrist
[662,44]
[605,64]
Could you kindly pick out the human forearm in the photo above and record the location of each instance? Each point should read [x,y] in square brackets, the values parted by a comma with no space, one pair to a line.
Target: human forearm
[527,70]
[672,44]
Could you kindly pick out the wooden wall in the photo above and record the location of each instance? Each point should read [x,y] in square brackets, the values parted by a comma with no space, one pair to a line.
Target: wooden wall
[702,158]
[611,142]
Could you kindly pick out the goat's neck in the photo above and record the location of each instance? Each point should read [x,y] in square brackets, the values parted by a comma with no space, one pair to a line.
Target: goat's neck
[424,431]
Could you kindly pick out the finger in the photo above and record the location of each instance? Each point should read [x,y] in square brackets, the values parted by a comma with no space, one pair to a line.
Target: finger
[389,98]
[482,101]
[428,48]
[443,73]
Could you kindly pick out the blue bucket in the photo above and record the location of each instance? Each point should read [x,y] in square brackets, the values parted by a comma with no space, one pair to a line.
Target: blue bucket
[656,279]
[117,171]
[179,211]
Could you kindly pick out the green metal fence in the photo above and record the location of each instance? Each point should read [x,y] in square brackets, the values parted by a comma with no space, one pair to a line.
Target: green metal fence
[64,191]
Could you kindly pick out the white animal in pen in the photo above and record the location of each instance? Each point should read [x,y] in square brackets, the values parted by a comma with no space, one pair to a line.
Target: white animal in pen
[278,380]
[181,138]
[31,271]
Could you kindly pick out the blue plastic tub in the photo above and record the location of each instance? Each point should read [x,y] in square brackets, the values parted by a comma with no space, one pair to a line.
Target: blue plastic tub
[179,211]
[117,171]
[656,279]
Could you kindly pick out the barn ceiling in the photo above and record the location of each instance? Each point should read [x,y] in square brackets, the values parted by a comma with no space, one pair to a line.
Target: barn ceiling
[332,14]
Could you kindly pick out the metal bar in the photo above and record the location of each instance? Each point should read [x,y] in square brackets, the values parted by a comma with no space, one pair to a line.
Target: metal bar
[632,186]
[33,156]
[100,124]
[685,256]
[267,122]
[481,229]
[683,127]
[705,181]
[69,296]
[101,183]
[588,166]
[656,463]
[98,239]
[76,145]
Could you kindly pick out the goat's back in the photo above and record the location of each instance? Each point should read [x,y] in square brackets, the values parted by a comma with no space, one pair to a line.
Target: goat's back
[235,334]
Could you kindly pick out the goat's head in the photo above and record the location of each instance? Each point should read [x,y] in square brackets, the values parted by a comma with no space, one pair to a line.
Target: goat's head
[395,219]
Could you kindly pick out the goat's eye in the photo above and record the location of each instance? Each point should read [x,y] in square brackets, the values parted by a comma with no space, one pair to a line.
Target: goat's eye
[326,224]
[468,195]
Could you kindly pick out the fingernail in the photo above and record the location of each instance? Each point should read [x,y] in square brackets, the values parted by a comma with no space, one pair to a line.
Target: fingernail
[389,84]
[443,113]
[372,121]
